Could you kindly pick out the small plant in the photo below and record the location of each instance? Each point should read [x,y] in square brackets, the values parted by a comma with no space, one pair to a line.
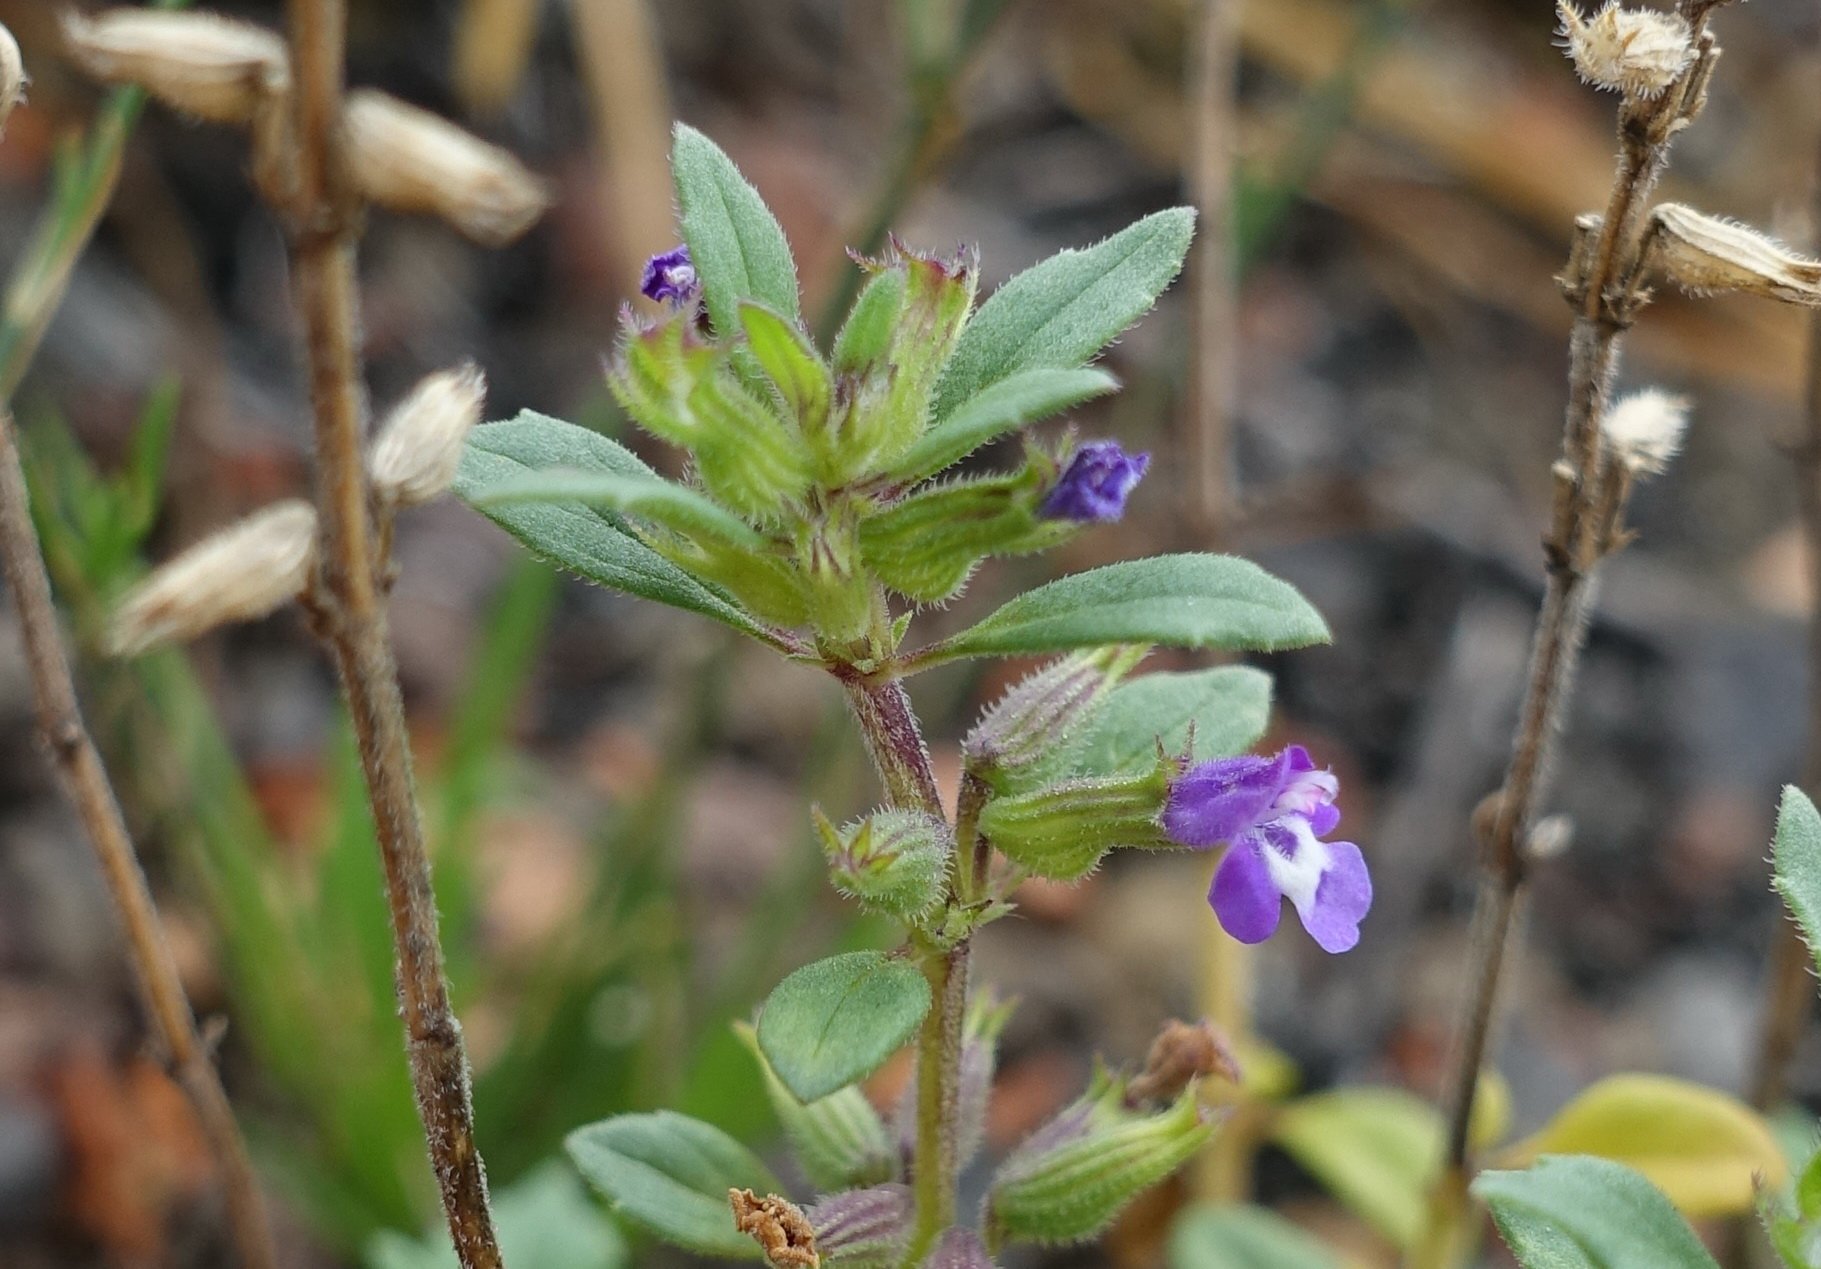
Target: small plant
[822,512]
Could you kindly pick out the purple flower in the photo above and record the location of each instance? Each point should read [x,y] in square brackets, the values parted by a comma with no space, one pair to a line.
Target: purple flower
[670,278]
[1095,484]
[1271,814]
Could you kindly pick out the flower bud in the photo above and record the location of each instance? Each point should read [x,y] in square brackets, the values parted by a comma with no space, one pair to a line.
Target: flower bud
[1181,1054]
[1061,832]
[1703,253]
[12,75]
[243,572]
[892,861]
[1075,1174]
[1636,52]
[958,1249]
[420,444]
[1036,717]
[413,161]
[1094,487]
[1644,430]
[838,1140]
[778,1226]
[210,67]
[864,1229]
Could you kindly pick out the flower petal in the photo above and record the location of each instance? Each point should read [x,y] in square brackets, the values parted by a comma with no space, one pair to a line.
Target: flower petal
[1341,901]
[1213,802]
[1243,896]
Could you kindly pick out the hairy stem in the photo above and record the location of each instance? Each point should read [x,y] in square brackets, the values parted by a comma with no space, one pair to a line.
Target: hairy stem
[349,599]
[895,741]
[85,783]
[1602,285]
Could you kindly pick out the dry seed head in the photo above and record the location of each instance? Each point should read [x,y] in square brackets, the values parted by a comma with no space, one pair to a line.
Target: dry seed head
[1636,52]
[420,444]
[1644,430]
[1703,253]
[413,161]
[211,67]
[245,571]
[12,75]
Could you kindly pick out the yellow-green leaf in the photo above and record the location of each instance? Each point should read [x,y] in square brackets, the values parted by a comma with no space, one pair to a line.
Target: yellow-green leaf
[1699,1146]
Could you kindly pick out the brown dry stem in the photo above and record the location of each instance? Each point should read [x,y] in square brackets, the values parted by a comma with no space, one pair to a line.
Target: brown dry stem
[348,603]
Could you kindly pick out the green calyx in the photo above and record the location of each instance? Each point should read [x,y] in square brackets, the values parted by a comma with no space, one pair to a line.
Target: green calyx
[1064,830]
[893,861]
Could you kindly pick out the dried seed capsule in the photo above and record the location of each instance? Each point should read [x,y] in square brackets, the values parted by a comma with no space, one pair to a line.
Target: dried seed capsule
[1645,429]
[211,67]
[413,161]
[1703,253]
[1636,52]
[245,571]
[420,445]
[778,1226]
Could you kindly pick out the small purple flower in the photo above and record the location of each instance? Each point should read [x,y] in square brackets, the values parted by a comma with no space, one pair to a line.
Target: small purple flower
[670,278]
[1095,484]
[1271,814]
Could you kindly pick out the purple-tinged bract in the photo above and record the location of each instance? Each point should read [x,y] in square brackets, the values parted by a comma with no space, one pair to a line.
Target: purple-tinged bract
[1094,487]
[670,278]
[1271,814]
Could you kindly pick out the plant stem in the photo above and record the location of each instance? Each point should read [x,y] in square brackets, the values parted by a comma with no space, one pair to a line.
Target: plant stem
[1215,359]
[895,741]
[1590,491]
[85,783]
[351,617]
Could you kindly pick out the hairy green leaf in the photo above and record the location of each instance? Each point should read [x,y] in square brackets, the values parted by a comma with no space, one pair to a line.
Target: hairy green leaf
[1228,708]
[835,1021]
[1025,397]
[653,498]
[1225,1237]
[1798,863]
[1578,1212]
[735,243]
[789,361]
[1061,312]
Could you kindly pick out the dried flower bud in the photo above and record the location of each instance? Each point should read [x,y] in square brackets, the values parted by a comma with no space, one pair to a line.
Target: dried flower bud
[413,161]
[420,446]
[864,1229]
[243,572]
[1181,1054]
[1637,52]
[779,1227]
[1644,430]
[211,67]
[1703,253]
[12,75]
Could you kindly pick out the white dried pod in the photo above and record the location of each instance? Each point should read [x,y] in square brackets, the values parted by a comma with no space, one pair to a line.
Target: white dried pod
[420,445]
[1644,430]
[245,571]
[1636,52]
[413,161]
[1703,253]
[211,67]
[12,75]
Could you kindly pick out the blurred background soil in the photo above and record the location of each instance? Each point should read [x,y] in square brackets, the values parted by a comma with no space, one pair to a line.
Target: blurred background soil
[1409,174]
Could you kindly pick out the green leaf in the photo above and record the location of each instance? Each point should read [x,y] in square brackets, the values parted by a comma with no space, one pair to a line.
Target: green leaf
[1576,1212]
[735,243]
[788,359]
[1185,601]
[1798,863]
[587,543]
[1018,399]
[1061,312]
[545,1221]
[1224,1237]
[835,1021]
[653,498]
[670,1174]
[1376,1149]
[1228,708]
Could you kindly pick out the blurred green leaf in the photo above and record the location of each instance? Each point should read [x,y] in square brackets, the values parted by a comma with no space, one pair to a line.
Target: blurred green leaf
[1027,396]
[670,1174]
[1059,313]
[1186,601]
[1578,1212]
[834,1021]
[545,1221]
[1223,1237]
[1376,1149]
[1797,862]
[735,243]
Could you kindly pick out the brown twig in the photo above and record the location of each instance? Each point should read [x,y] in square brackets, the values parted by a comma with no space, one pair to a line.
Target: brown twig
[348,603]
[1602,282]
[85,782]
